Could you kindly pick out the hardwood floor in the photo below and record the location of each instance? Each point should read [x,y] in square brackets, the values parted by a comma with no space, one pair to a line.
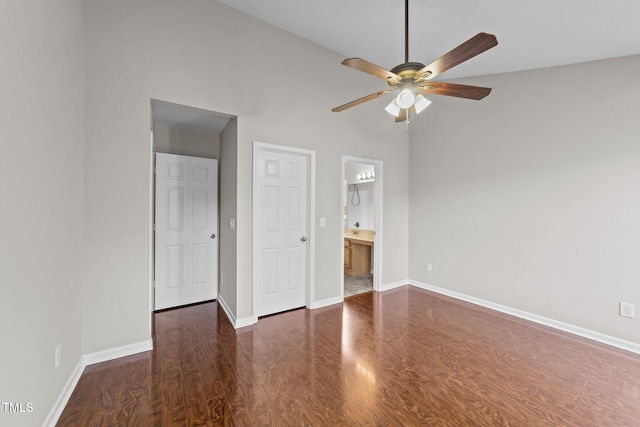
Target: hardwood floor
[402,357]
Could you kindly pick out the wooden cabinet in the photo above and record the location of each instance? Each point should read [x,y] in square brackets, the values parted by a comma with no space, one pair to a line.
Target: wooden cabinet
[347,256]
[357,256]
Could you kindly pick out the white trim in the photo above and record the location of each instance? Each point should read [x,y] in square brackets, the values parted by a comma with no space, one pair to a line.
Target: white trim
[243,322]
[114,353]
[311,270]
[65,395]
[311,155]
[236,323]
[566,327]
[90,359]
[222,303]
[326,302]
[378,247]
[393,285]
[152,176]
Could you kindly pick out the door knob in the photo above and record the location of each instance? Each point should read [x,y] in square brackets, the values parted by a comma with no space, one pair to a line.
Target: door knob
[213,236]
[303,239]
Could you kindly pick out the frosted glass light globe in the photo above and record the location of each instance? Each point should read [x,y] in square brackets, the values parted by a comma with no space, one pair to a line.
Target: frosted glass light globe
[405,99]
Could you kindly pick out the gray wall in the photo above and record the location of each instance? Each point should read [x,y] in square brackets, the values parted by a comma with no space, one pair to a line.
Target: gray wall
[530,197]
[194,53]
[41,194]
[186,142]
[228,210]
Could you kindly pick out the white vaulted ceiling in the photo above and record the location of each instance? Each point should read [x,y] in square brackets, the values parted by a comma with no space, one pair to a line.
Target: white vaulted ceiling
[531,34]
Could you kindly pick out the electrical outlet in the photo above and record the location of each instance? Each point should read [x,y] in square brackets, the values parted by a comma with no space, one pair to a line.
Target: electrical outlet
[626,310]
[58,354]
[429,267]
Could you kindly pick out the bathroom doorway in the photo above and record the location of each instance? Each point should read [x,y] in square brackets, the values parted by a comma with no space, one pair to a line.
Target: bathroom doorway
[361,224]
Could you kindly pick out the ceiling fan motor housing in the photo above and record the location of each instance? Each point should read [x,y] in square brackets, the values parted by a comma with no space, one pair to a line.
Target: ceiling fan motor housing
[408,71]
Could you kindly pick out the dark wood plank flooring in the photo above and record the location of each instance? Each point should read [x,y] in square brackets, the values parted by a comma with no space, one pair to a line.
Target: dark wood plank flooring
[401,358]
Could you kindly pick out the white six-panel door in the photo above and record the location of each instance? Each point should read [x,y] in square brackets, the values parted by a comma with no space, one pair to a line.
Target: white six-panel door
[186,228]
[281,226]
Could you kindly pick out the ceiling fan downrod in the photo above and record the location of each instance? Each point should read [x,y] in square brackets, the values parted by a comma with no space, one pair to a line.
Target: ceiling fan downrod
[406,31]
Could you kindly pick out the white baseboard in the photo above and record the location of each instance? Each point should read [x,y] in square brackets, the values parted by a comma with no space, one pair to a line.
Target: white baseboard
[90,359]
[65,395]
[244,321]
[237,323]
[226,310]
[114,353]
[325,302]
[566,327]
[393,285]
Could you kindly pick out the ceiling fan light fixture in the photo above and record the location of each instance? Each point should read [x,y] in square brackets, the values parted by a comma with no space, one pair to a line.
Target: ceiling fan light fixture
[393,108]
[421,103]
[405,99]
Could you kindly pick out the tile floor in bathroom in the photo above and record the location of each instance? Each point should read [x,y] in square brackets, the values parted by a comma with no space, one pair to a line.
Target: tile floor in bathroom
[354,285]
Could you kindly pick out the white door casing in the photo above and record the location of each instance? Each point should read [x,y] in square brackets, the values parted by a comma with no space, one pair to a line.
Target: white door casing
[186,228]
[283,235]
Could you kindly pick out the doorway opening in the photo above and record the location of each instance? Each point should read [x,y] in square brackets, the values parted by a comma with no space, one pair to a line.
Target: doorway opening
[361,225]
[186,135]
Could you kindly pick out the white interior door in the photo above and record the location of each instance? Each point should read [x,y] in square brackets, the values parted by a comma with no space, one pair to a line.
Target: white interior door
[281,194]
[186,220]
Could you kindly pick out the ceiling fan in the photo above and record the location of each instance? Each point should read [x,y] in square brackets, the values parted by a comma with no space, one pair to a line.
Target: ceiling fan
[413,79]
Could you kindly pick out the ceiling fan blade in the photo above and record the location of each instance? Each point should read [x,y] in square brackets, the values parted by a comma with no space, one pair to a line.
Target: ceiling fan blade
[369,68]
[361,100]
[402,115]
[474,46]
[457,90]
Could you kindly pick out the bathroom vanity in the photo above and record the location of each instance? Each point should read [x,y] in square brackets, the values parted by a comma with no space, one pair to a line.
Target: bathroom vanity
[357,252]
